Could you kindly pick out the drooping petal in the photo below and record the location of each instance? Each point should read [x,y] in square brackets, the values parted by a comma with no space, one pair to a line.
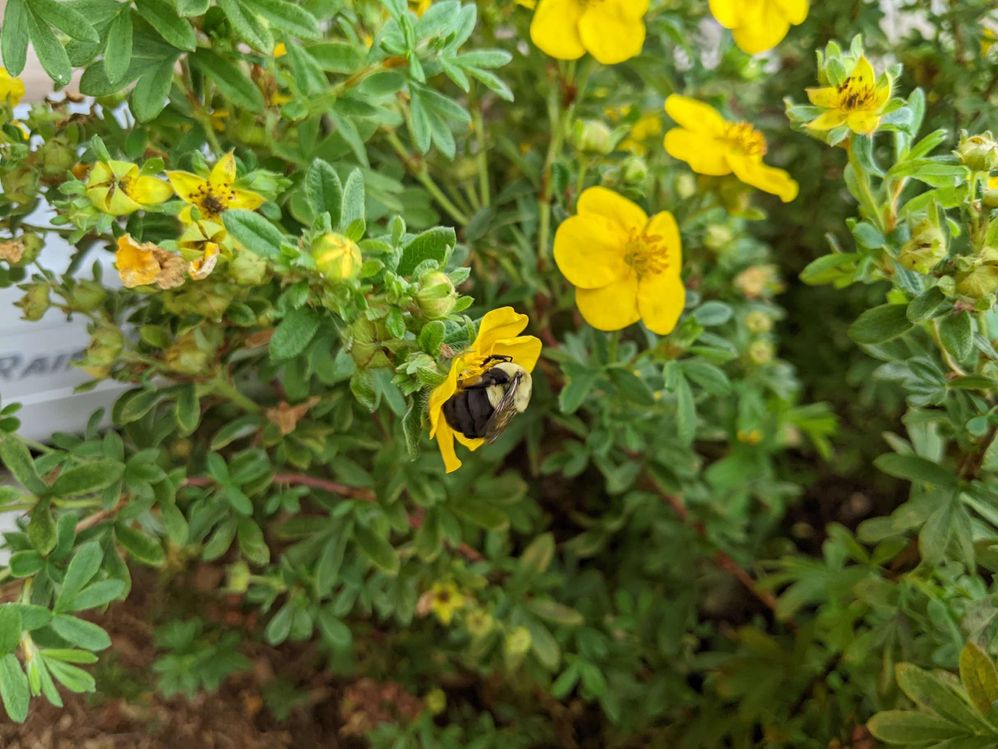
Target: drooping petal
[599,201]
[525,350]
[694,115]
[763,177]
[612,307]
[555,29]
[445,443]
[827,120]
[589,251]
[863,123]
[761,32]
[186,185]
[223,174]
[610,33]
[136,263]
[826,96]
[728,13]
[244,199]
[704,154]
[471,444]
[497,325]
[664,225]
[442,393]
[201,268]
[794,11]
[661,299]
[149,190]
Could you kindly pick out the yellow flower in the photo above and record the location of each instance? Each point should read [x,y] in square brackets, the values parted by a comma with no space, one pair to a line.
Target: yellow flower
[419,7]
[624,265]
[758,25]
[280,49]
[145,264]
[118,188]
[445,601]
[647,127]
[858,102]
[498,335]
[610,30]
[215,194]
[11,88]
[712,145]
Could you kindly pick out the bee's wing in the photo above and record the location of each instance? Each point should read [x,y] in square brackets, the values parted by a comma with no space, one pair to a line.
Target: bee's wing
[504,411]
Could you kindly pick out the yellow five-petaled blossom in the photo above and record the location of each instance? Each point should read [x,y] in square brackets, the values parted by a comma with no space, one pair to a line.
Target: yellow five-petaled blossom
[758,25]
[715,146]
[119,188]
[610,30]
[11,88]
[445,601]
[624,265]
[858,102]
[214,195]
[498,335]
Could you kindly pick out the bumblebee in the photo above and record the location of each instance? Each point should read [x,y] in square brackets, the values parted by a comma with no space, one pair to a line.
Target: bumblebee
[485,405]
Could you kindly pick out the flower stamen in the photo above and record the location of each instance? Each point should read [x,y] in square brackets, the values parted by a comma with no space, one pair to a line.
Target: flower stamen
[745,138]
[647,254]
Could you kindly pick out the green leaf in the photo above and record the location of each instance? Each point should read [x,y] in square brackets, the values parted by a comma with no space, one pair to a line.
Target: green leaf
[255,232]
[248,26]
[927,305]
[10,628]
[323,190]
[279,627]
[327,568]
[168,24]
[231,80]
[82,568]
[957,335]
[252,543]
[187,410]
[50,51]
[72,677]
[543,645]
[880,324]
[432,244]
[134,404]
[686,412]
[294,333]
[14,688]
[352,208]
[41,529]
[95,595]
[17,460]
[14,36]
[377,549]
[288,17]
[914,468]
[88,478]
[25,563]
[979,677]
[933,694]
[152,90]
[536,558]
[708,376]
[580,380]
[67,19]
[333,630]
[80,632]
[837,268]
[556,613]
[910,727]
[140,545]
[118,52]
[483,515]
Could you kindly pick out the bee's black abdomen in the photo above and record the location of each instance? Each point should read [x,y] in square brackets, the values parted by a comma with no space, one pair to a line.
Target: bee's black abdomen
[468,412]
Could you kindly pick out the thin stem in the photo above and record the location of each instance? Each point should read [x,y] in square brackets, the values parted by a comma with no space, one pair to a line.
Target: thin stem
[226,389]
[866,199]
[482,157]
[419,171]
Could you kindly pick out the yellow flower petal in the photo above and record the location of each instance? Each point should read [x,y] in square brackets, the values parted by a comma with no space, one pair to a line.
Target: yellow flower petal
[223,174]
[11,88]
[794,11]
[525,350]
[136,263]
[471,444]
[828,120]
[611,33]
[661,299]
[599,201]
[863,71]
[826,96]
[202,267]
[555,28]
[766,178]
[149,190]
[727,12]
[863,123]
[694,115]
[245,200]
[498,324]
[445,443]
[702,152]
[612,307]
[761,32]
[664,225]
[589,251]
[186,184]
[441,394]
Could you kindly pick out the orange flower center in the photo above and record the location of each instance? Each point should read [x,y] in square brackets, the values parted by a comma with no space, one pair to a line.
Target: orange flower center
[647,254]
[745,138]
[213,203]
[855,94]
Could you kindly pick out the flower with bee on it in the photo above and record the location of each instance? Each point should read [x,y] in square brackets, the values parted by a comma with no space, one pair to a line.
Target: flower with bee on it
[214,194]
[488,384]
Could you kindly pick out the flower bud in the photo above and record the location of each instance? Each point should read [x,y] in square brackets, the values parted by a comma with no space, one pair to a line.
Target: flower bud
[686,185]
[57,158]
[759,281]
[365,345]
[238,577]
[718,236]
[758,322]
[979,283]
[516,645]
[35,303]
[248,269]
[186,357]
[20,185]
[479,622]
[436,295]
[337,257]
[991,193]
[106,343]
[86,296]
[925,249]
[979,153]
[761,352]
[634,170]
[592,136]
